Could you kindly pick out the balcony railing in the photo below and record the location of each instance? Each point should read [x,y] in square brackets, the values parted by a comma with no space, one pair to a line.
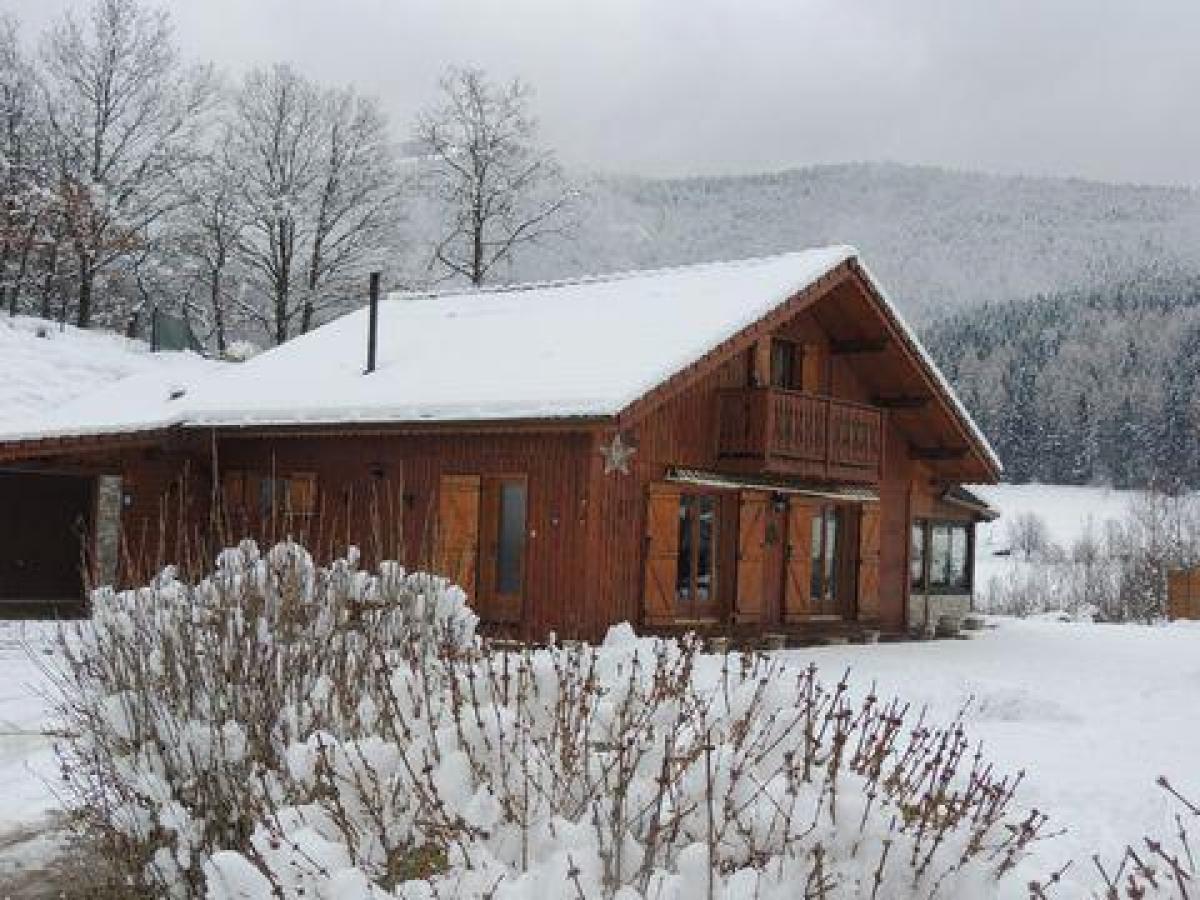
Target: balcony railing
[789,432]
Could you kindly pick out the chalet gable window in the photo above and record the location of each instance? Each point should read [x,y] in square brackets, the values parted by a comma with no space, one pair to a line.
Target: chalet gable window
[695,567]
[940,560]
[786,364]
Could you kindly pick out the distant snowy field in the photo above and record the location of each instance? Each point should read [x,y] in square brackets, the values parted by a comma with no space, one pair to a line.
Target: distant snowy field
[1065,509]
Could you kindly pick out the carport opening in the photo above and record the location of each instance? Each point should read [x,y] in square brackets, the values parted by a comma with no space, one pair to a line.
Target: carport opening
[45,520]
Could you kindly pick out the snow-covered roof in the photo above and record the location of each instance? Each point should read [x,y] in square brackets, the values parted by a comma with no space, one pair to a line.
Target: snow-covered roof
[57,379]
[563,349]
[583,348]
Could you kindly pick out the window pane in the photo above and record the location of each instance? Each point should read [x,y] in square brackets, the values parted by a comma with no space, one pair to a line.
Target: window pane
[831,542]
[511,542]
[916,555]
[959,568]
[705,546]
[783,365]
[939,557]
[683,563]
[818,558]
[272,497]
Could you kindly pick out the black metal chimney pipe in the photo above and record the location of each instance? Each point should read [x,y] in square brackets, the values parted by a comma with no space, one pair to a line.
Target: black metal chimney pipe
[373,323]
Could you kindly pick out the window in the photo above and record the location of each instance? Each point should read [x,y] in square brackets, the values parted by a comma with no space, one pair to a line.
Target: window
[252,501]
[695,568]
[916,555]
[510,538]
[272,497]
[785,365]
[825,526]
[940,558]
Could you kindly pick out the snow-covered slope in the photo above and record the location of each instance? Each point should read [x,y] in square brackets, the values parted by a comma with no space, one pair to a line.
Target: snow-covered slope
[61,373]
[940,239]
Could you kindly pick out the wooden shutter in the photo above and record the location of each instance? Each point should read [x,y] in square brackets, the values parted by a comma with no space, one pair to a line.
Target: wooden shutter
[662,555]
[1177,594]
[235,515]
[815,364]
[868,562]
[458,530]
[797,566]
[751,556]
[302,494]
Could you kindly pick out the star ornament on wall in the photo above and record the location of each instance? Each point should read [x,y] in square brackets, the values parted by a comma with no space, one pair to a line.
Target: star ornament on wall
[617,455]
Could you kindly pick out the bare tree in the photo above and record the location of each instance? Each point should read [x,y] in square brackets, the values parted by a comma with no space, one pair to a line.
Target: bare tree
[357,204]
[210,227]
[498,188]
[24,208]
[124,119]
[317,175]
[273,144]
[1028,535]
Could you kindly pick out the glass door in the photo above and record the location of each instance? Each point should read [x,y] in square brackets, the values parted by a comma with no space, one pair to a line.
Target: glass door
[826,547]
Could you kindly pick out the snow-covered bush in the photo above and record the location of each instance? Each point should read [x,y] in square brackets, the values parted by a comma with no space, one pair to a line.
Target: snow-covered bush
[280,730]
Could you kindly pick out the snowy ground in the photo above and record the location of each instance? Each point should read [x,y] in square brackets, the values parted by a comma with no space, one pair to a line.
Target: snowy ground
[1093,714]
[27,766]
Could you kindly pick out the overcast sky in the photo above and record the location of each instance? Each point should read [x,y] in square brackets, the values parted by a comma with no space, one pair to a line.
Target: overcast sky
[1106,89]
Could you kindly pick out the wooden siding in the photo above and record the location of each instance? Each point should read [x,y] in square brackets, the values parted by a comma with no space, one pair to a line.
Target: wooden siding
[383,494]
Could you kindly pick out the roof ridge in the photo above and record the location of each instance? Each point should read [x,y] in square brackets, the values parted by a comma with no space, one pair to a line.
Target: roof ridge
[620,275]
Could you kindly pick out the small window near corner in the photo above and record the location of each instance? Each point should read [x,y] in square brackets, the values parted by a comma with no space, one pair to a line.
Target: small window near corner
[916,555]
[950,564]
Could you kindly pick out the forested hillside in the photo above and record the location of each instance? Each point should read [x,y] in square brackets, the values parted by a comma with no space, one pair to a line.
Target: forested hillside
[938,239]
[1085,386]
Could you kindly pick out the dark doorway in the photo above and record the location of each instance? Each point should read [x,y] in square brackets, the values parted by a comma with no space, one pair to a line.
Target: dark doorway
[43,520]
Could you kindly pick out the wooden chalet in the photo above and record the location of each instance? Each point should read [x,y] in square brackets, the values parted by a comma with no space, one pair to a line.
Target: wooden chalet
[744,447]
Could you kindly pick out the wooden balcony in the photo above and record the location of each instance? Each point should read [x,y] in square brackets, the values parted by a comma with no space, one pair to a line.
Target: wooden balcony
[792,433]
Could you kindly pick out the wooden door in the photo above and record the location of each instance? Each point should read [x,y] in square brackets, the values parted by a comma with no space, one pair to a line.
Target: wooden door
[797,571]
[751,556]
[503,530]
[662,555]
[868,561]
[458,531]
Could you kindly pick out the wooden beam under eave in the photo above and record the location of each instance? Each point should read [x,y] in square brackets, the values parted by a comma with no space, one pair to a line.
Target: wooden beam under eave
[848,348]
[938,453]
[901,402]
